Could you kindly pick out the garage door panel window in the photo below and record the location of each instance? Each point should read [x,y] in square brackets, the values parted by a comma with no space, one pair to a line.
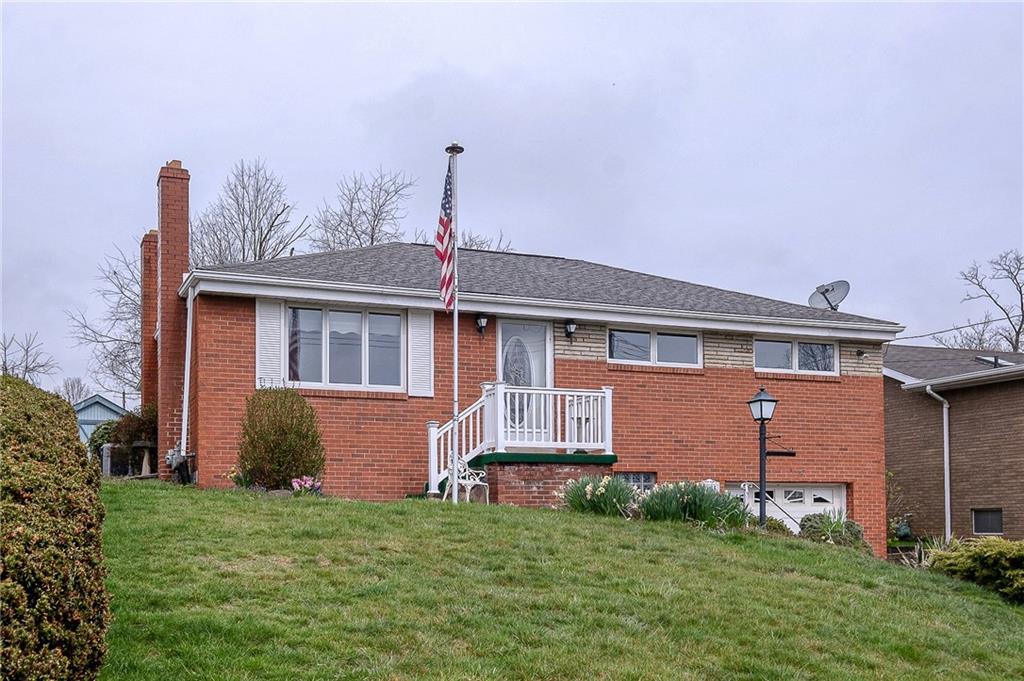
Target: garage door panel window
[793,496]
[822,496]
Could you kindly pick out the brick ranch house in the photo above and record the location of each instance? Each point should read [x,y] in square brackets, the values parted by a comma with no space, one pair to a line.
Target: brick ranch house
[566,368]
[957,416]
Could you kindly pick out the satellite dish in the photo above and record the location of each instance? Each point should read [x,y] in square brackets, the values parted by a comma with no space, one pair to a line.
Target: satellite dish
[828,296]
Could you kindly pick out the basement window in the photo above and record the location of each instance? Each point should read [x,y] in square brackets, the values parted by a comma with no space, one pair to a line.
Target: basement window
[363,348]
[644,482]
[987,520]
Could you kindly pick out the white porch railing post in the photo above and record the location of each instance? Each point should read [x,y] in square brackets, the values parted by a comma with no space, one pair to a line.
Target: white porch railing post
[487,390]
[499,417]
[607,420]
[432,462]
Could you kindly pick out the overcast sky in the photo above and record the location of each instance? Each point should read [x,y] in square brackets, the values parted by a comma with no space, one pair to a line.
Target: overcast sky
[765,148]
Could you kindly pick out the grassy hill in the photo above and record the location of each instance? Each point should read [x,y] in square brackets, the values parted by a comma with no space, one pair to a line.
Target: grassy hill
[228,585]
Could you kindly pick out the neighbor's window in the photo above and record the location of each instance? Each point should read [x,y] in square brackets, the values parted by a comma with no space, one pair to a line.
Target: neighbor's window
[987,520]
[780,355]
[644,482]
[364,349]
[652,347]
[305,345]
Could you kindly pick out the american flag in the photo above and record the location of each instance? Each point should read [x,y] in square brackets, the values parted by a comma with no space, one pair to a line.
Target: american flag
[444,243]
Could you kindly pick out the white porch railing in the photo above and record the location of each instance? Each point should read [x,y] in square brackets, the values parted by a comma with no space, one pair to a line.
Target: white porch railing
[526,419]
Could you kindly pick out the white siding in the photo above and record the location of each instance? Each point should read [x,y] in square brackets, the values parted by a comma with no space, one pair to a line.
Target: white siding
[269,343]
[421,353]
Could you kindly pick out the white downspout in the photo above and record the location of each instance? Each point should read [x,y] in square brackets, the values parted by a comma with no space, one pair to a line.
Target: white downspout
[945,459]
[188,372]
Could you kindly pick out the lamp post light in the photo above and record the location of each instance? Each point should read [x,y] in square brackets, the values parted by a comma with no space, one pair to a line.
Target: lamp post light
[762,408]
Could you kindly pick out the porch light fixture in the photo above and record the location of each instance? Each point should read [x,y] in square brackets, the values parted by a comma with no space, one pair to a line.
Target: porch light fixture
[481,323]
[762,408]
[570,329]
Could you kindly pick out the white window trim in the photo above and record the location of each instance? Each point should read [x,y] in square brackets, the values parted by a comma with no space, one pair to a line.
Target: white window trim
[549,347]
[795,355]
[974,529]
[325,349]
[654,346]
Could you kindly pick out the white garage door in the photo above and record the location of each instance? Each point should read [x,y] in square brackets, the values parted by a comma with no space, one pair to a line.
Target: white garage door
[792,502]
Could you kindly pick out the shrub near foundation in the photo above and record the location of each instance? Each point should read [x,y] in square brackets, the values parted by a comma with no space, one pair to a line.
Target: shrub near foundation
[693,502]
[992,562]
[53,617]
[280,439]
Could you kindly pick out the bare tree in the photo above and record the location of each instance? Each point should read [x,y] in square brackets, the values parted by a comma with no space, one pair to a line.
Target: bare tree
[25,358]
[114,337]
[981,335]
[470,239]
[249,220]
[368,211]
[1001,285]
[73,389]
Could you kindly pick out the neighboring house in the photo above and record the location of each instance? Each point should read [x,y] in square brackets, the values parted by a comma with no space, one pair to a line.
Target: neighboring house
[93,411]
[977,445]
[566,368]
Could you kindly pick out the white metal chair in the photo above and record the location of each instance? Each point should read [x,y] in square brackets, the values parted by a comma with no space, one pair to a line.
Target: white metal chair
[468,478]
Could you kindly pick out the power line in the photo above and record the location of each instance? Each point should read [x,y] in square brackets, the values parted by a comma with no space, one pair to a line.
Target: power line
[955,328]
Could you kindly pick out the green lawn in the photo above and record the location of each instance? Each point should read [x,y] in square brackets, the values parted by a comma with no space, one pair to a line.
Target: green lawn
[228,585]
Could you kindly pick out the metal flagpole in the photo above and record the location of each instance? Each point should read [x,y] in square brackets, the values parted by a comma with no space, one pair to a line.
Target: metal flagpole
[454,149]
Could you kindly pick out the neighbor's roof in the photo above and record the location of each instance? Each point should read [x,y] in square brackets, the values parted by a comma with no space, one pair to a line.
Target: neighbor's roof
[101,400]
[519,275]
[924,363]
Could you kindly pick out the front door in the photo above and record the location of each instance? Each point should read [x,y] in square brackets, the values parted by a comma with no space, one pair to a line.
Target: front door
[524,360]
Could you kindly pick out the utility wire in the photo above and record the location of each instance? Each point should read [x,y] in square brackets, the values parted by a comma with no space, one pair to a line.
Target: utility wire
[955,328]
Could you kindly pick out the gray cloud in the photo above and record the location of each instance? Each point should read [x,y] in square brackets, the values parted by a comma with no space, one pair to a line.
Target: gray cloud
[761,148]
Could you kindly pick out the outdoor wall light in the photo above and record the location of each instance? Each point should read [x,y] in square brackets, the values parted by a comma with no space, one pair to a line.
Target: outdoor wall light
[762,408]
[481,323]
[570,329]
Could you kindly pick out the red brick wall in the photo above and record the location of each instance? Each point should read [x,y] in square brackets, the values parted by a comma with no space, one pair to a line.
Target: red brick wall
[679,424]
[172,264]
[148,265]
[534,484]
[986,452]
[913,452]
[692,424]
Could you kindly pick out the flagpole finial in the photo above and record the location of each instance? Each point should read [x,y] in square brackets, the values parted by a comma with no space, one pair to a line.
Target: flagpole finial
[454,148]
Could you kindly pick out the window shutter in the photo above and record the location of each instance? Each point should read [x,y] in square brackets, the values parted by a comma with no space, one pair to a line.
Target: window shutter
[269,343]
[421,353]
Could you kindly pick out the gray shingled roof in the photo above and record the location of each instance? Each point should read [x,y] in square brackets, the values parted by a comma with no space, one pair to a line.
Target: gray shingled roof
[529,276]
[930,362]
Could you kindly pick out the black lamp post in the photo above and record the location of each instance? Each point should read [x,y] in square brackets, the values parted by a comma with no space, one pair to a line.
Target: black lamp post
[762,408]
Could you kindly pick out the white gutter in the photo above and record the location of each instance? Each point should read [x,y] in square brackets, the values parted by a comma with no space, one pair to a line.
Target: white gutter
[188,372]
[227,283]
[983,377]
[945,459]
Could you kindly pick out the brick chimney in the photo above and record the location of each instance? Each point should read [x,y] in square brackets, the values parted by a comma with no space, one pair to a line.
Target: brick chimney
[148,264]
[171,266]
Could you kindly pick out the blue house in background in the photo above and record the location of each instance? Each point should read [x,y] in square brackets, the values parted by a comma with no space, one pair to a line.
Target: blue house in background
[93,411]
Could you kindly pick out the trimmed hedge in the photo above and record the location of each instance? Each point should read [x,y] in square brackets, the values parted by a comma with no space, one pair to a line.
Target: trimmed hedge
[280,439]
[54,602]
[992,562]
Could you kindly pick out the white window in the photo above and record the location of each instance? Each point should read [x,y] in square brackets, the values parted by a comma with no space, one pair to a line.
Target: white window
[987,520]
[811,357]
[363,350]
[653,347]
[644,482]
